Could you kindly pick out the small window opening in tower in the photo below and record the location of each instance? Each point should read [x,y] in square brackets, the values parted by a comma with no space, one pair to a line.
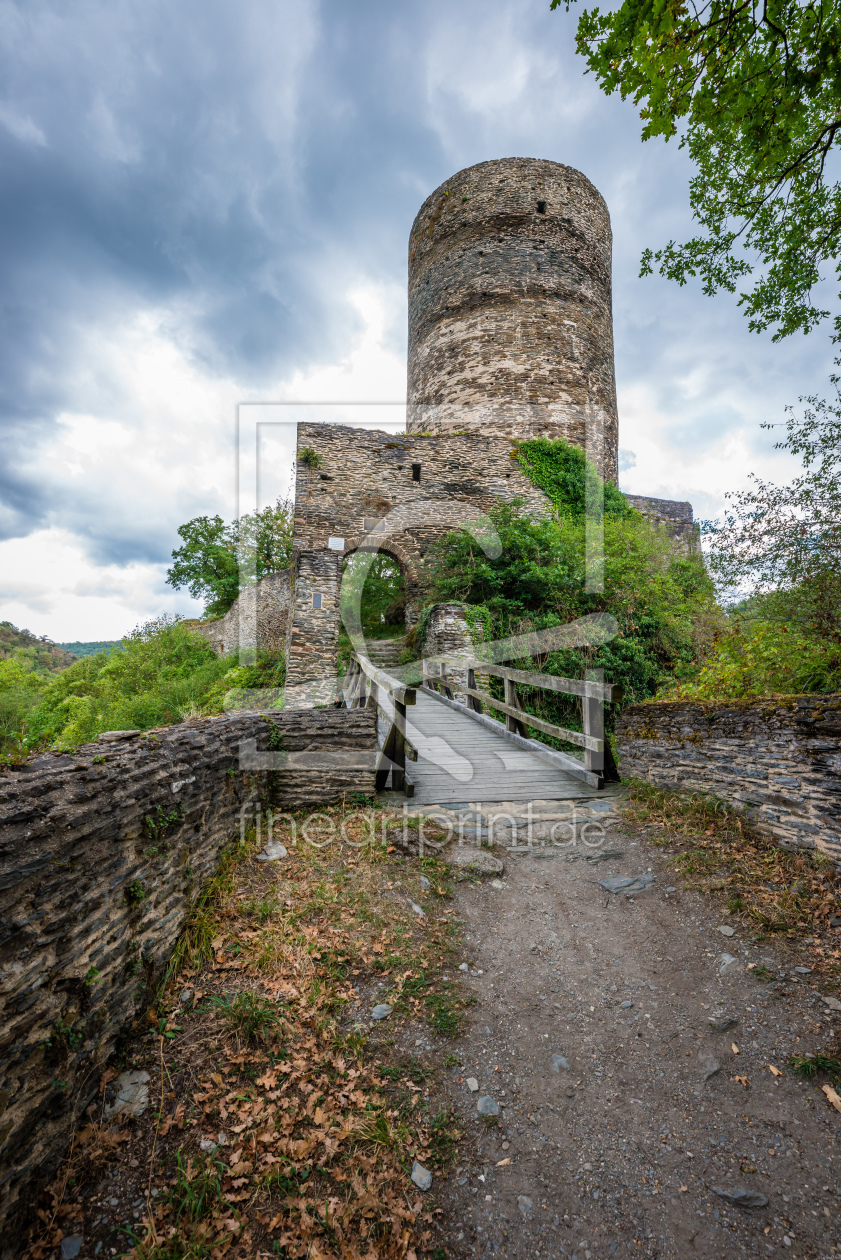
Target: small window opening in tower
[316,601]
[541,207]
[416,472]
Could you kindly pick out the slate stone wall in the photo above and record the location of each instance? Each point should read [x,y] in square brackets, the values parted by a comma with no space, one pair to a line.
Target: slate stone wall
[398,494]
[257,619]
[778,759]
[101,853]
[675,517]
[510,314]
[448,631]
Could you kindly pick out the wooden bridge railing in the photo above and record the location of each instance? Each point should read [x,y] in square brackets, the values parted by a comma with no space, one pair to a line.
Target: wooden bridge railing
[365,686]
[593,692]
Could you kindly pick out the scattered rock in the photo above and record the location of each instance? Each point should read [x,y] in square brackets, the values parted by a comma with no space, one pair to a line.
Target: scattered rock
[487,1106]
[497,883]
[112,737]
[671,890]
[382,1011]
[625,1005]
[131,1090]
[524,1204]
[475,860]
[558,1062]
[604,855]
[416,908]
[472,1084]
[421,1176]
[71,1246]
[463,967]
[710,1067]
[273,851]
[727,961]
[723,1023]
[835,921]
[741,1197]
[803,971]
[208,1144]
[424,883]
[831,1002]
[627,883]
[726,930]
[186,994]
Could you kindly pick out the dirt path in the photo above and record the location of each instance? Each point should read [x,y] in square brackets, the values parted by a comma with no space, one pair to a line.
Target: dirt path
[620,1106]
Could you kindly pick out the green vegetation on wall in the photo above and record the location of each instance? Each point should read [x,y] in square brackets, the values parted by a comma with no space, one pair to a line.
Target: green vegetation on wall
[663,601]
[565,475]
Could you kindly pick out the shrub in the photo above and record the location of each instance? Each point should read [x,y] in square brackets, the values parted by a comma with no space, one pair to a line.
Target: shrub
[663,603]
[760,658]
[161,674]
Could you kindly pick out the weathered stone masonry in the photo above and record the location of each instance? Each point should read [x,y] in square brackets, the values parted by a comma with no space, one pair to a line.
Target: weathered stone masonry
[257,620]
[510,318]
[778,759]
[395,493]
[93,896]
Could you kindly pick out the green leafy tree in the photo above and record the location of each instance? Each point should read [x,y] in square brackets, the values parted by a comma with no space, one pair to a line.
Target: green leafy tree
[216,560]
[752,90]
[782,544]
[663,602]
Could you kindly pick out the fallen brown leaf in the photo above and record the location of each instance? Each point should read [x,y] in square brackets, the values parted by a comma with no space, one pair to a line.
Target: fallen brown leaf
[832,1096]
[776,1071]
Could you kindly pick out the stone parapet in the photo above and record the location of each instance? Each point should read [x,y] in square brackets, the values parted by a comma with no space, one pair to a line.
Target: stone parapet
[102,851]
[447,631]
[777,759]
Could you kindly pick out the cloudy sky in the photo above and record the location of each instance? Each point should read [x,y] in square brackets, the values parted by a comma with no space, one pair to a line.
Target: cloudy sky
[207,203]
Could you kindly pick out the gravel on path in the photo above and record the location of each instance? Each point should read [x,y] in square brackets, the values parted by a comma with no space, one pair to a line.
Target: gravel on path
[630,1104]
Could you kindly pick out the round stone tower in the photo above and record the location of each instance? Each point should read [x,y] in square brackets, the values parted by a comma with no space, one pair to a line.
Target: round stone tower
[510,324]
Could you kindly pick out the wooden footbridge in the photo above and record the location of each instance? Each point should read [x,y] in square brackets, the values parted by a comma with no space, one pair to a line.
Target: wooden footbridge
[438,748]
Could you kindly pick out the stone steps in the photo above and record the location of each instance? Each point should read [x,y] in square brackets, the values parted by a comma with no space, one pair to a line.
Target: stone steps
[385,653]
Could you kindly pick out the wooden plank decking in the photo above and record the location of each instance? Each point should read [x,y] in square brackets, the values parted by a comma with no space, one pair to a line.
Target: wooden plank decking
[460,759]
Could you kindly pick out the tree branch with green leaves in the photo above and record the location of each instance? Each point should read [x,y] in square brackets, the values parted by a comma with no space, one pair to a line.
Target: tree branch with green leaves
[753,90]
[216,560]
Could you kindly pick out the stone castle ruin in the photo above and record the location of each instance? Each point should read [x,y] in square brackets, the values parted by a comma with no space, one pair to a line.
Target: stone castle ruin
[510,337]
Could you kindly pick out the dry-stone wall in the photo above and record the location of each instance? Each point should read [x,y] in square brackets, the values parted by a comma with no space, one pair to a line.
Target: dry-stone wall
[258,618]
[510,321]
[777,759]
[101,853]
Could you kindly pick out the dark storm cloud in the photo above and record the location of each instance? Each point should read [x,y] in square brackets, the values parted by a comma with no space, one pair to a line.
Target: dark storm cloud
[242,167]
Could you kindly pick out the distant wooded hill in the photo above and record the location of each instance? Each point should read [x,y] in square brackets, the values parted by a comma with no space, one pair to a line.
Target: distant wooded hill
[91,649]
[40,655]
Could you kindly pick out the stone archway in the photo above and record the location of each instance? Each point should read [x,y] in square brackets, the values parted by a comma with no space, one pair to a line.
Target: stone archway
[406,560]
[313,637]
